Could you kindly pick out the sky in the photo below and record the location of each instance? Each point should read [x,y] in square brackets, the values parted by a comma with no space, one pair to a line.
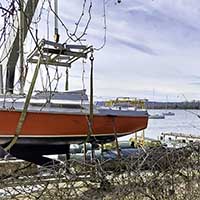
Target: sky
[152,47]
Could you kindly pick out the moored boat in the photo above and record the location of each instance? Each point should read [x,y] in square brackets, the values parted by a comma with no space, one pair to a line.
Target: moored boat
[169,113]
[157,116]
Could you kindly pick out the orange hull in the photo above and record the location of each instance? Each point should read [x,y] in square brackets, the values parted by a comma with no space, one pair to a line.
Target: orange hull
[68,125]
[52,133]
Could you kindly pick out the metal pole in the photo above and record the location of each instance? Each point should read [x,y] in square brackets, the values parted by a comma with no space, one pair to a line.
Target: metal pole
[102,149]
[91,114]
[91,89]
[143,137]
[84,151]
[67,79]
[1,80]
[56,35]
[93,151]
[21,47]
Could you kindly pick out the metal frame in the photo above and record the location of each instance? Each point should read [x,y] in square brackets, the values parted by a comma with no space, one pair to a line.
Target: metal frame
[58,54]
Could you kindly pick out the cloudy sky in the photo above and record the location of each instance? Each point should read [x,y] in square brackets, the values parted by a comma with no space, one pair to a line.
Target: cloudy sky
[152,48]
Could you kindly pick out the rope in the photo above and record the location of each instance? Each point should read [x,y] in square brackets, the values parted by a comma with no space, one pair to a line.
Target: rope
[90,120]
[24,111]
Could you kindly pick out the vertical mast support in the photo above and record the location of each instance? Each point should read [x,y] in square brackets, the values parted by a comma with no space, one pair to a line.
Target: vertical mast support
[21,47]
[56,35]
[1,79]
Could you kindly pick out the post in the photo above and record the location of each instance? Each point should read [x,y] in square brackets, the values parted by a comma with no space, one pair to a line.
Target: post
[67,79]
[136,140]
[56,35]
[117,147]
[1,80]
[90,121]
[143,137]
[21,47]
[102,150]
[93,151]
[91,88]
[85,151]
[116,139]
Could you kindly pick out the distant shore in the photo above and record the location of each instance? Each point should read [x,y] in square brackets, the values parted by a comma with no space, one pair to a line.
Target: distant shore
[172,105]
[159,105]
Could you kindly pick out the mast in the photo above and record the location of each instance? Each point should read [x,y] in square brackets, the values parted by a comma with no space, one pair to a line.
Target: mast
[56,39]
[56,35]
[21,46]
[67,79]
[13,47]
[1,80]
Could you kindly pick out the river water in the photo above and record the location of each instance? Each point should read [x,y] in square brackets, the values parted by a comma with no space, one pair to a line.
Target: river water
[184,121]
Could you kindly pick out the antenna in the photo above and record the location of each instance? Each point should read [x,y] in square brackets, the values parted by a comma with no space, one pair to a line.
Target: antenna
[56,35]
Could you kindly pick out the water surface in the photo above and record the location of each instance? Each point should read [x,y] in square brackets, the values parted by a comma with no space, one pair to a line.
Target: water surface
[184,121]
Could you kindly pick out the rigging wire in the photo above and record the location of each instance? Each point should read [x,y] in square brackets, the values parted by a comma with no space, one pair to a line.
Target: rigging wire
[9,12]
[80,18]
[73,36]
[39,17]
[9,15]
[83,74]
[83,81]
[189,111]
[105,28]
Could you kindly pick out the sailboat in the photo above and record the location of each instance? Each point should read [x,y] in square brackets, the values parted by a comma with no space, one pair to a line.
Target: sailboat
[168,113]
[48,122]
[156,115]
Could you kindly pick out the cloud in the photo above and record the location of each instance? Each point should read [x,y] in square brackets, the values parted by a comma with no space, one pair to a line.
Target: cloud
[137,46]
[150,45]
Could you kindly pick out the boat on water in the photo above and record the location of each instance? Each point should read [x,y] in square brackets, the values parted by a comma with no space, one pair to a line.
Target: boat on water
[156,116]
[169,113]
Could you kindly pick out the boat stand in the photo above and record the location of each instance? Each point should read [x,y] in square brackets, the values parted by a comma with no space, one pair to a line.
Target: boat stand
[57,54]
[116,140]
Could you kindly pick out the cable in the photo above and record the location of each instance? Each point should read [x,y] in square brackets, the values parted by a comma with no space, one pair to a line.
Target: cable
[189,111]
[105,28]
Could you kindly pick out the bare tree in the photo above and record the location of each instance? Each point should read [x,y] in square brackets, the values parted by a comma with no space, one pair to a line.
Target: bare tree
[156,174]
